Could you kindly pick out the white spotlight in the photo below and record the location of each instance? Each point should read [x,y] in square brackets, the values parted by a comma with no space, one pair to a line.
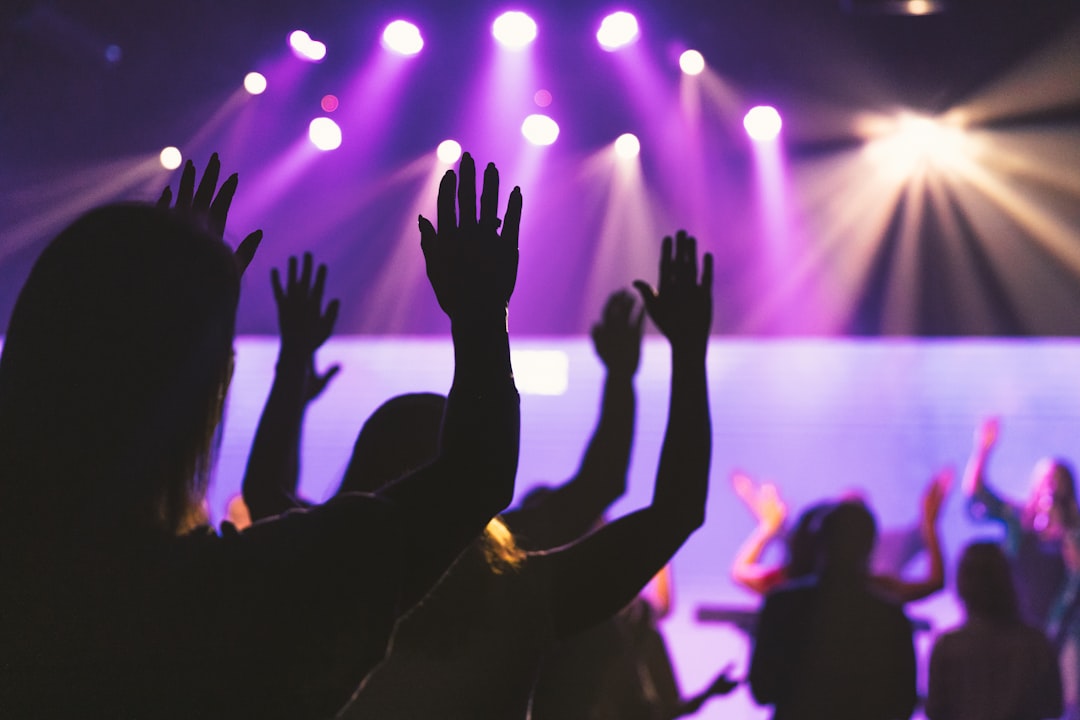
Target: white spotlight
[540,130]
[255,83]
[762,122]
[617,30]
[402,37]
[171,158]
[305,48]
[627,146]
[448,151]
[324,134]
[692,63]
[514,29]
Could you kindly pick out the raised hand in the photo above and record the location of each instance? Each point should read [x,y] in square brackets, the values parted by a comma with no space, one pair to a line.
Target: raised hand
[471,266]
[617,337]
[304,324]
[934,497]
[763,500]
[987,434]
[682,307]
[208,209]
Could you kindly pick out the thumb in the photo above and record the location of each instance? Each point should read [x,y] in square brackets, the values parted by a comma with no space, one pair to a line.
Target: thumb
[648,296]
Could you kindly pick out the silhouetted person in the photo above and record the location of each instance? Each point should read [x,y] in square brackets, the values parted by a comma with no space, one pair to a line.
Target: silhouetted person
[993,667]
[830,646]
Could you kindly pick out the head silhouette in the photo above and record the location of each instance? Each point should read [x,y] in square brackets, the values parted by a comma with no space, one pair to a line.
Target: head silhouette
[847,536]
[114,370]
[803,542]
[984,583]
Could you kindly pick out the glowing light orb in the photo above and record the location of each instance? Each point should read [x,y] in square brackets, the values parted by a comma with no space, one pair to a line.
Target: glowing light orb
[448,151]
[113,54]
[540,130]
[762,122]
[617,30]
[692,62]
[171,158]
[329,103]
[324,134]
[627,146]
[305,48]
[402,37]
[255,83]
[514,29]
[542,98]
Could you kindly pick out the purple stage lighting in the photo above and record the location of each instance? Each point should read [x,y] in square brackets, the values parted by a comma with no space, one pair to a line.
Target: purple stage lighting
[255,83]
[448,151]
[324,134]
[691,62]
[540,130]
[514,29]
[762,123]
[402,37]
[627,146]
[305,48]
[171,158]
[617,30]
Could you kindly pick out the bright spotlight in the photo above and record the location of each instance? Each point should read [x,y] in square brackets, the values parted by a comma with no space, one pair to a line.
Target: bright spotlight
[403,38]
[255,83]
[324,134]
[762,123]
[171,158]
[617,30]
[305,48]
[448,151]
[540,130]
[692,62]
[917,142]
[514,29]
[627,146]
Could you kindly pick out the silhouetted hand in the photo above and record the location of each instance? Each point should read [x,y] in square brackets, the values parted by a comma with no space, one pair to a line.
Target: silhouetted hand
[305,326]
[723,684]
[682,307]
[617,337]
[470,265]
[207,209]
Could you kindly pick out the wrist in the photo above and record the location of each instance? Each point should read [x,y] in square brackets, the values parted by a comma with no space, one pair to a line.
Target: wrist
[480,321]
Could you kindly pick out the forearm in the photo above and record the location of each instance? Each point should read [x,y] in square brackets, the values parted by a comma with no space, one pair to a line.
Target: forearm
[747,570]
[273,468]
[682,480]
[607,458]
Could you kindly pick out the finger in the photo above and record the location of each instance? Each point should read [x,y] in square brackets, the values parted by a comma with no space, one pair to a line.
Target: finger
[648,296]
[707,273]
[275,282]
[245,253]
[207,185]
[219,209]
[685,269]
[489,198]
[317,287]
[467,192]
[186,188]
[329,375]
[305,273]
[165,199]
[447,215]
[512,219]
[331,315]
[667,262]
[427,235]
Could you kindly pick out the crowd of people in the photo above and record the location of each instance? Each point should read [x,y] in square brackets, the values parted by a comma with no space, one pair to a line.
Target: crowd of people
[416,591]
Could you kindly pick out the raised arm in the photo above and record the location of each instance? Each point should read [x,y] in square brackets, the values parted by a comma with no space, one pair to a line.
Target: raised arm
[765,503]
[472,269]
[572,509]
[273,467]
[596,576]
[981,501]
[911,590]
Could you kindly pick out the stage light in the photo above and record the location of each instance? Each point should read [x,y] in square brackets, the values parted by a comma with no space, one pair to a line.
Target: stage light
[305,48]
[917,142]
[113,54]
[692,62]
[255,83]
[514,29]
[617,30]
[403,38]
[627,146]
[540,130]
[324,134]
[762,123]
[448,151]
[171,158]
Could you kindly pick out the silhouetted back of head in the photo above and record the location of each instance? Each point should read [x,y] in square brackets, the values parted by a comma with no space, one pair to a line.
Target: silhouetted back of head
[400,436]
[984,582]
[114,370]
[803,542]
[847,535]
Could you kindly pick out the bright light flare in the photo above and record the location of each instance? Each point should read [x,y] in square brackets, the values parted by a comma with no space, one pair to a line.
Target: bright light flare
[627,146]
[448,151]
[402,37]
[324,134]
[540,130]
[692,62]
[171,158]
[514,29]
[617,30]
[917,141]
[305,48]
[762,123]
[255,83]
